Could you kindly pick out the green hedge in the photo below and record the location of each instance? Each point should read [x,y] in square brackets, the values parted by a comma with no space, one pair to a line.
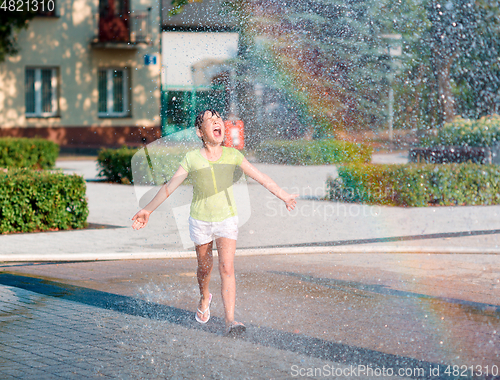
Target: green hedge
[115,164]
[417,185]
[39,201]
[33,153]
[318,152]
[463,132]
[157,167]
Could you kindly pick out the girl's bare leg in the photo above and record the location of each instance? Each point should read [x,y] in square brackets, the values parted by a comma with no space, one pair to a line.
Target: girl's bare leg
[205,265]
[226,249]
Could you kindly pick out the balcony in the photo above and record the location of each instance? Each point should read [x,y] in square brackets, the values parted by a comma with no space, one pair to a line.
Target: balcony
[122,31]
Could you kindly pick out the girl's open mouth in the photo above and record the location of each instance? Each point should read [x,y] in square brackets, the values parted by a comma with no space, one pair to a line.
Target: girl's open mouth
[217,132]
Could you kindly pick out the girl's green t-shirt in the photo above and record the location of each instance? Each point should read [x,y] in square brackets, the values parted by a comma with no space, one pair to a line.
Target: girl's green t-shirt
[213,198]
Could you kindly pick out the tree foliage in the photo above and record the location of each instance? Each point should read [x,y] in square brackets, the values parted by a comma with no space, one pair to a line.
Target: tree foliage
[327,59]
[178,6]
[10,24]
[449,62]
[477,73]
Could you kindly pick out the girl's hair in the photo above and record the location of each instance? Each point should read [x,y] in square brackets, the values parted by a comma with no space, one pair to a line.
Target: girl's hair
[199,117]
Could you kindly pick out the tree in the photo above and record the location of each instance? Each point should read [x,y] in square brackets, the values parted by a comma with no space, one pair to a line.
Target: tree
[416,100]
[10,23]
[178,6]
[325,56]
[453,27]
[450,61]
[477,71]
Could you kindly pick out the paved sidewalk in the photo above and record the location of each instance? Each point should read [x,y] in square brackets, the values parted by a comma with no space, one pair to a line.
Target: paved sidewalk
[48,338]
[314,226]
[134,319]
[356,301]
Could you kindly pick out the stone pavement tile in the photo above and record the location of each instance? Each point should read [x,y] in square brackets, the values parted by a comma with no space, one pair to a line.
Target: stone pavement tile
[38,352]
[4,362]
[62,368]
[87,366]
[51,354]
[14,372]
[214,362]
[50,376]
[24,361]
[89,353]
[94,362]
[35,335]
[11,353]
[34,373]
[151,347]
[110,371]
[6,307]
[56,353]
[213,368]
[67,344]
[75,373]
[15,334]
[81,347]
[15,324]
[8,343]
[6,376]
[41,362]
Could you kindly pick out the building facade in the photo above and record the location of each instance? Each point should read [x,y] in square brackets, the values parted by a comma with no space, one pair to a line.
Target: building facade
[87,75]
[199,47]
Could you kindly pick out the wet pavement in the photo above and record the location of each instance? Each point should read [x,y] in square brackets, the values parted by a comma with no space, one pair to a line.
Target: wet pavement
[52,338]
[351,291]
[134,319]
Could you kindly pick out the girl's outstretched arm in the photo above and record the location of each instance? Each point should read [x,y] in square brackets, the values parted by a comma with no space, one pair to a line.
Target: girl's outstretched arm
[141,218]
[269,184]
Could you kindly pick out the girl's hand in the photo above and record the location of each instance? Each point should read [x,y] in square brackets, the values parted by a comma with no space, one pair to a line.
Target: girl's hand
[141,219]
[290,201]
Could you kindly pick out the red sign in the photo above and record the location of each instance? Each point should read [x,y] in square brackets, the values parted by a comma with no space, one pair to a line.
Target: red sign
[235,136]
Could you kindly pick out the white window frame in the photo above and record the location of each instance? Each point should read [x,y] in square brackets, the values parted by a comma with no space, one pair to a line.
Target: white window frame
[109,93]
[38,93]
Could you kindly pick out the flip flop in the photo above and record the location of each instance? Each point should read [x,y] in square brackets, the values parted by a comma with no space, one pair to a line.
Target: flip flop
[207,310]
[235,329]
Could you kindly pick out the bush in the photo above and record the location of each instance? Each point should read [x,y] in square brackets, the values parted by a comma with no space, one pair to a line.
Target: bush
[319,152]
[32,201]
[484,132]
[34,153]
[115,164]
[127,165]
[417,185]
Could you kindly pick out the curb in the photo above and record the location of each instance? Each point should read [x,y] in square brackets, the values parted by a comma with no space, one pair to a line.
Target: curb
[50,257]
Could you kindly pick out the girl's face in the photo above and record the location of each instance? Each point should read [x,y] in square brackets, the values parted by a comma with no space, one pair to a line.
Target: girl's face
[212,129]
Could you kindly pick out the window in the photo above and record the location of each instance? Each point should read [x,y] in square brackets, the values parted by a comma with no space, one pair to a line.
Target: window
[113,94]
[41,92]
[180,107]
[114,21]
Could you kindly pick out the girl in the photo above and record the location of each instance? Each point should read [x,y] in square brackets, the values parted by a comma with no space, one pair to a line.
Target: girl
[213,214]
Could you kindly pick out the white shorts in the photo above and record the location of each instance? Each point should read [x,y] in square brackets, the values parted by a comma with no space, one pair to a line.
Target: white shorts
[202,232]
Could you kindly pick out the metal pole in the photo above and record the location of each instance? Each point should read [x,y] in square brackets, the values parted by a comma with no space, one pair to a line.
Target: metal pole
[394,49]
[233,111]
[391,106]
